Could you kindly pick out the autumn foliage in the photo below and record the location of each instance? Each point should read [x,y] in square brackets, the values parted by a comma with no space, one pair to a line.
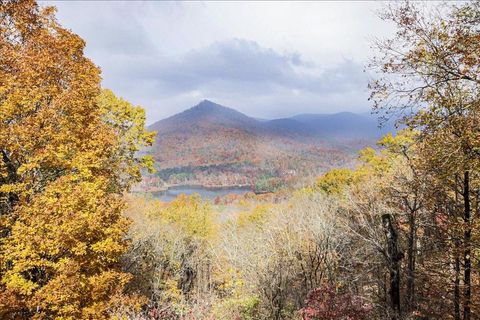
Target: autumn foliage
[326,303]
[67,155]
[395,236]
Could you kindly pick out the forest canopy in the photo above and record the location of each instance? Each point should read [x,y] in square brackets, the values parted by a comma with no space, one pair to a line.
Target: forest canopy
[396,236]
[68,153]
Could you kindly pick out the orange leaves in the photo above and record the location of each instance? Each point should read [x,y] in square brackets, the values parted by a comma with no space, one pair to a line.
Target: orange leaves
[66,156]
[71,225]
[48,114]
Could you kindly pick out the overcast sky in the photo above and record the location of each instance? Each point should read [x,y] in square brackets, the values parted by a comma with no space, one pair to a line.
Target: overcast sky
[265,59]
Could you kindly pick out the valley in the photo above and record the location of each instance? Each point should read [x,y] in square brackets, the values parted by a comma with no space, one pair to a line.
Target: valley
[213,146]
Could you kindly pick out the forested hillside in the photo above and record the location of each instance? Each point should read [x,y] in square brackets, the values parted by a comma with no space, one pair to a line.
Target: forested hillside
[213,145]
[395,235]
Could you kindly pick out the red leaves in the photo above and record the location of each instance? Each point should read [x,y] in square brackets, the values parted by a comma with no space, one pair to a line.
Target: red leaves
[327,303]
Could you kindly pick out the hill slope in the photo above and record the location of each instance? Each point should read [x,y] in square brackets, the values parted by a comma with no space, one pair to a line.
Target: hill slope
[206,113]
[211,144]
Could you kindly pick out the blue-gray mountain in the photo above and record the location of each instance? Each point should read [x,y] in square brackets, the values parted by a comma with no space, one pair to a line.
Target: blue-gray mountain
[211,144]
[320,127]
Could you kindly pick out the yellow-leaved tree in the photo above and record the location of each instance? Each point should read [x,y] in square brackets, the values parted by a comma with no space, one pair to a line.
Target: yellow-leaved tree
[68,152]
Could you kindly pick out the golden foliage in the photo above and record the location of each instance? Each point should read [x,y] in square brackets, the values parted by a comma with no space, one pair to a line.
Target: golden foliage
[190,215]
[67,155]
[335,180]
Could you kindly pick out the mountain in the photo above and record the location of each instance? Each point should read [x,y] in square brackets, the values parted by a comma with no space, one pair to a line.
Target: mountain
[341,125]
[206,113]
[212,144]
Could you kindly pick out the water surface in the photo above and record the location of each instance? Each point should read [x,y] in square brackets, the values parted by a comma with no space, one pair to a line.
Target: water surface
[206,193]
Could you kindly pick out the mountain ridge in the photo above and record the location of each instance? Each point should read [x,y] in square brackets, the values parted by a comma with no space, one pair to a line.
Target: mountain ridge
[305,125]
[210,144]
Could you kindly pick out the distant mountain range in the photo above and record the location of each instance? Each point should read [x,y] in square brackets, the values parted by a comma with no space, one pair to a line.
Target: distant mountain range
[209,143]
[342,125]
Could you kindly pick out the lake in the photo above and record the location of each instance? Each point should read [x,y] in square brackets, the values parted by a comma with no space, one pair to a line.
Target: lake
[205,193]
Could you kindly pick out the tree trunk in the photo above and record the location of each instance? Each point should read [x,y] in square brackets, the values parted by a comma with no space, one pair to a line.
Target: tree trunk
[456,290]
[467,247]
[394,257]
[411,261]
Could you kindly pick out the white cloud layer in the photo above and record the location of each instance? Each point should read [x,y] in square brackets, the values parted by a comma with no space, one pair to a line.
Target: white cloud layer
[267,59]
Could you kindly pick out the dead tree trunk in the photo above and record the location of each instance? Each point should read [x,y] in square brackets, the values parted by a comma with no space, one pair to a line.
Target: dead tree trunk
[412,244]
[456,290]
[394,255]
[467,244]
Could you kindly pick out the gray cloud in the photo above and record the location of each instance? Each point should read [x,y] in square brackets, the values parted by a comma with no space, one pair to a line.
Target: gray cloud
[237,67]
[109,29]
[167,57]
[233,61]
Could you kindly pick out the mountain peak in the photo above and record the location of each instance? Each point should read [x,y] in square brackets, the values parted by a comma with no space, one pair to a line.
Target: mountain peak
[208,105]
[206,102]
[209,109]
[207,113]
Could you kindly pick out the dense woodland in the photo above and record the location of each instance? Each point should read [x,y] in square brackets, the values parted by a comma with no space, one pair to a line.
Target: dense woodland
[212,145]
[396,237]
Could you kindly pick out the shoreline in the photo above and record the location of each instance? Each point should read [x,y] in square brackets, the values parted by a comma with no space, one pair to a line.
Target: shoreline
[198,186]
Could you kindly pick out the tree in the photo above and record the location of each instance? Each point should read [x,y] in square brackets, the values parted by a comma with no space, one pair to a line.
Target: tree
[335,181]
[407,193]
[430,76]
[68,153]
[128,124]
[170,257]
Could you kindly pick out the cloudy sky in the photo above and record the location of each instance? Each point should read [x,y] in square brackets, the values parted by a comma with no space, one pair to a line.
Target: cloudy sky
[265,59]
